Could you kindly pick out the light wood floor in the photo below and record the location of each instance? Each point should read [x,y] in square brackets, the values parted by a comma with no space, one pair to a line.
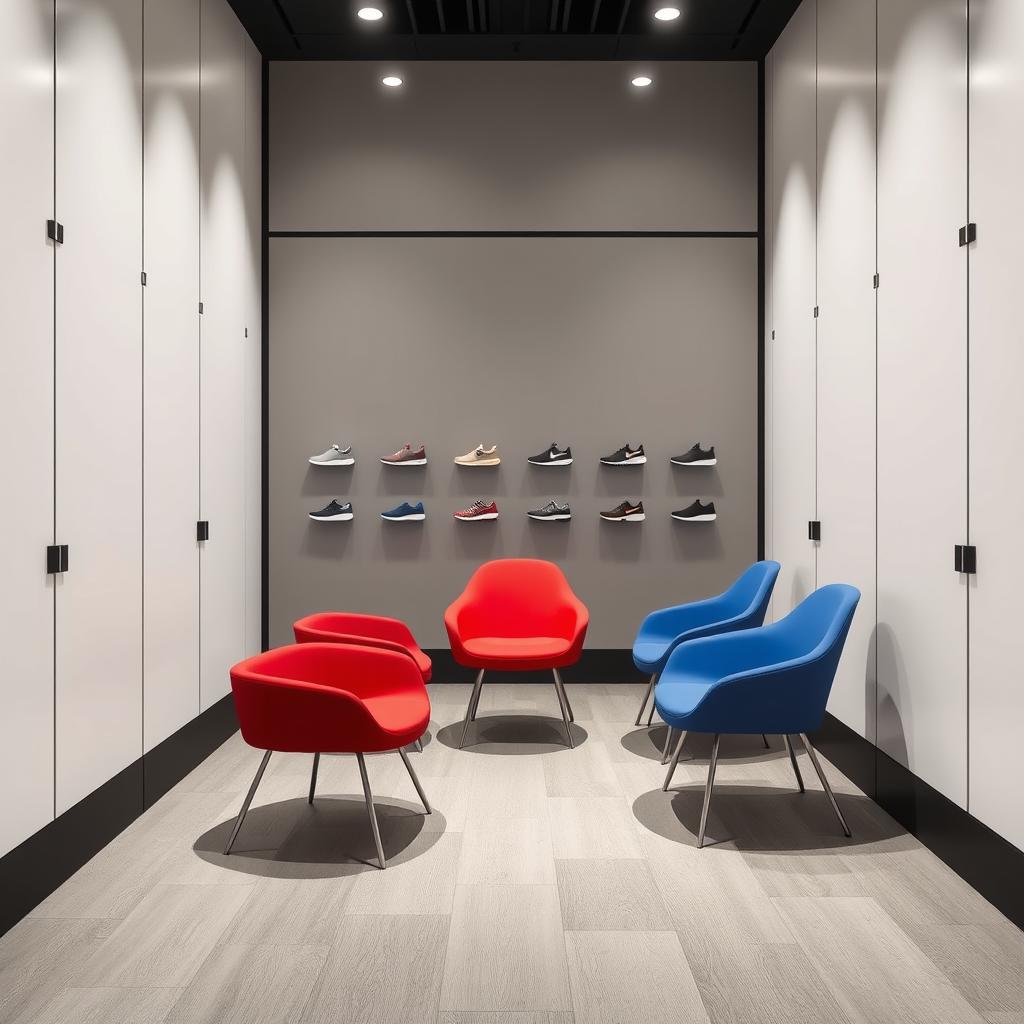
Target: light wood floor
[549,885]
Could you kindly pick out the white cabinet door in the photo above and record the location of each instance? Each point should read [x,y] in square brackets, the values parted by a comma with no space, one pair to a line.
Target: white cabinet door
[98,392]
[846,336]
[224,445]
[996,413]
[26,420]
[922,389]
[171,367]
[791,353]
[252,352]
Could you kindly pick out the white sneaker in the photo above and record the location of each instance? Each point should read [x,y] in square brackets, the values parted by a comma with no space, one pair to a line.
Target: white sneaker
[334,456]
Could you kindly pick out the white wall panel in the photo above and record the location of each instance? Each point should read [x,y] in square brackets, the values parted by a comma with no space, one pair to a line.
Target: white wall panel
[171,367]
[792,351]
[846,336]
[26,419]
[253,177]
[996,413]
[224,445]
[922,354]
[99,392]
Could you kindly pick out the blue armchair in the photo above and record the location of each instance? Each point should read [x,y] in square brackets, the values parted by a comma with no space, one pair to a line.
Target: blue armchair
[742,606]
[774,678]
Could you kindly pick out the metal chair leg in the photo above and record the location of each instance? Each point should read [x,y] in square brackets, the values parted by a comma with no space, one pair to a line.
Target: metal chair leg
[371,811]
[471,709]
[668,745]
[650,715]
[647,696]
[675,761]
[312,780]
[824,783]
[767,745]
[415,781]
[419,746]
[707,791]
[563,703]
[796,767]
[476,702]
[568,706]
[248,800]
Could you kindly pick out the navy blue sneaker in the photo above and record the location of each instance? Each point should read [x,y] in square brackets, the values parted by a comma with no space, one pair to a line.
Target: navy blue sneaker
[405,513]
[333,512]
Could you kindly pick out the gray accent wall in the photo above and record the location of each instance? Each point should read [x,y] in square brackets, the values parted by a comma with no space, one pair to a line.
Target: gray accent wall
[454,341]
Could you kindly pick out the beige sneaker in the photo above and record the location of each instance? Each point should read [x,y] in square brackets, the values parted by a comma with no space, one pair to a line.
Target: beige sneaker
[480,456]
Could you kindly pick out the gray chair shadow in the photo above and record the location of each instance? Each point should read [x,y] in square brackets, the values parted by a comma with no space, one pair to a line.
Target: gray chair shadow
[766,819]
[739,749]
[329,839]
[892,673]
[512,735]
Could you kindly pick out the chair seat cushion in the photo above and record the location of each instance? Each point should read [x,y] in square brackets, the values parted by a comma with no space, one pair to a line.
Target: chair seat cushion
[677,699]
[650,654]
[506,652]
[422,662]
[403,716]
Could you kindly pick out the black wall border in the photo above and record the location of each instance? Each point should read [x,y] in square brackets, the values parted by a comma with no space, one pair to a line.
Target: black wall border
[33,870]
[984,859]
[596,665]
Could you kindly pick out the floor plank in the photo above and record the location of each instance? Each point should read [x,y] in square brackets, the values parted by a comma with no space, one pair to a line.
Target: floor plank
[506,950]
[610,895]
[109,1006]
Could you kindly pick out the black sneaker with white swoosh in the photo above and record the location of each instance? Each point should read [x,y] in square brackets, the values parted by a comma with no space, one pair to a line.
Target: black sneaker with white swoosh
[554,456]
[626,456]
[697,512]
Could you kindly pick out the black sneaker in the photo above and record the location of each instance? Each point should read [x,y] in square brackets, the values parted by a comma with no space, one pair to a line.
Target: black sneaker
[551,512]
[334,512]
[626,456]
[696,456]
[626,512]
[554,456]
[697,513]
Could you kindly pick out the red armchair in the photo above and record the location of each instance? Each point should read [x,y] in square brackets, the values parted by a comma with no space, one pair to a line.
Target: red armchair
[338,698]
[517,614]
[367,630]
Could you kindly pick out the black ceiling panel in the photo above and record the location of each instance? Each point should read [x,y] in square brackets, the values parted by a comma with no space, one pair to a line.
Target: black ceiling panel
[514,29]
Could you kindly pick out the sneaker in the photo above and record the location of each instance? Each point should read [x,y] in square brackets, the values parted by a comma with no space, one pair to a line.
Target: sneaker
[697,513]
[407,456]
[696,456]
[334,512]
[626,456]
[405,513]
[480,456]
[554,456]
[551,512]
[479,510]
[334,456]
[626,512]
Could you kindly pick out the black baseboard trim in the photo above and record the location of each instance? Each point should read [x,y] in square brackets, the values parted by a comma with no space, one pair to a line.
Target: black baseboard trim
[33,870]
[608,665]
[982,858]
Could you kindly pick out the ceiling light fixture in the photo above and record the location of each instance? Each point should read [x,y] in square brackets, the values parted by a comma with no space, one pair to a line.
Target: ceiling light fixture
[667,13]
[641,81]
[391,81]
[370,13]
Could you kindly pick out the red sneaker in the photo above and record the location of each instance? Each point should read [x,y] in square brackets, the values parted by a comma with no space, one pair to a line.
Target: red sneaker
[478,510]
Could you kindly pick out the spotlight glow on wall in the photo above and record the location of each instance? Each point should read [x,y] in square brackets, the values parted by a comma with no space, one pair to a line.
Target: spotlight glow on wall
[641,81]
[370,13]
[391,81]
[667,13]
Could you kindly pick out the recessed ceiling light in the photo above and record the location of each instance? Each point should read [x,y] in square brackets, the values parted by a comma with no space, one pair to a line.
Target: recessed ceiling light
[370,13]
[391,81]
[667,13]
[641,81]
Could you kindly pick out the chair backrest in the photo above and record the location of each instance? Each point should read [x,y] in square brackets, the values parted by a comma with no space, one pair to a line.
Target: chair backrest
[516,597]
[750,594]
[818,625]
